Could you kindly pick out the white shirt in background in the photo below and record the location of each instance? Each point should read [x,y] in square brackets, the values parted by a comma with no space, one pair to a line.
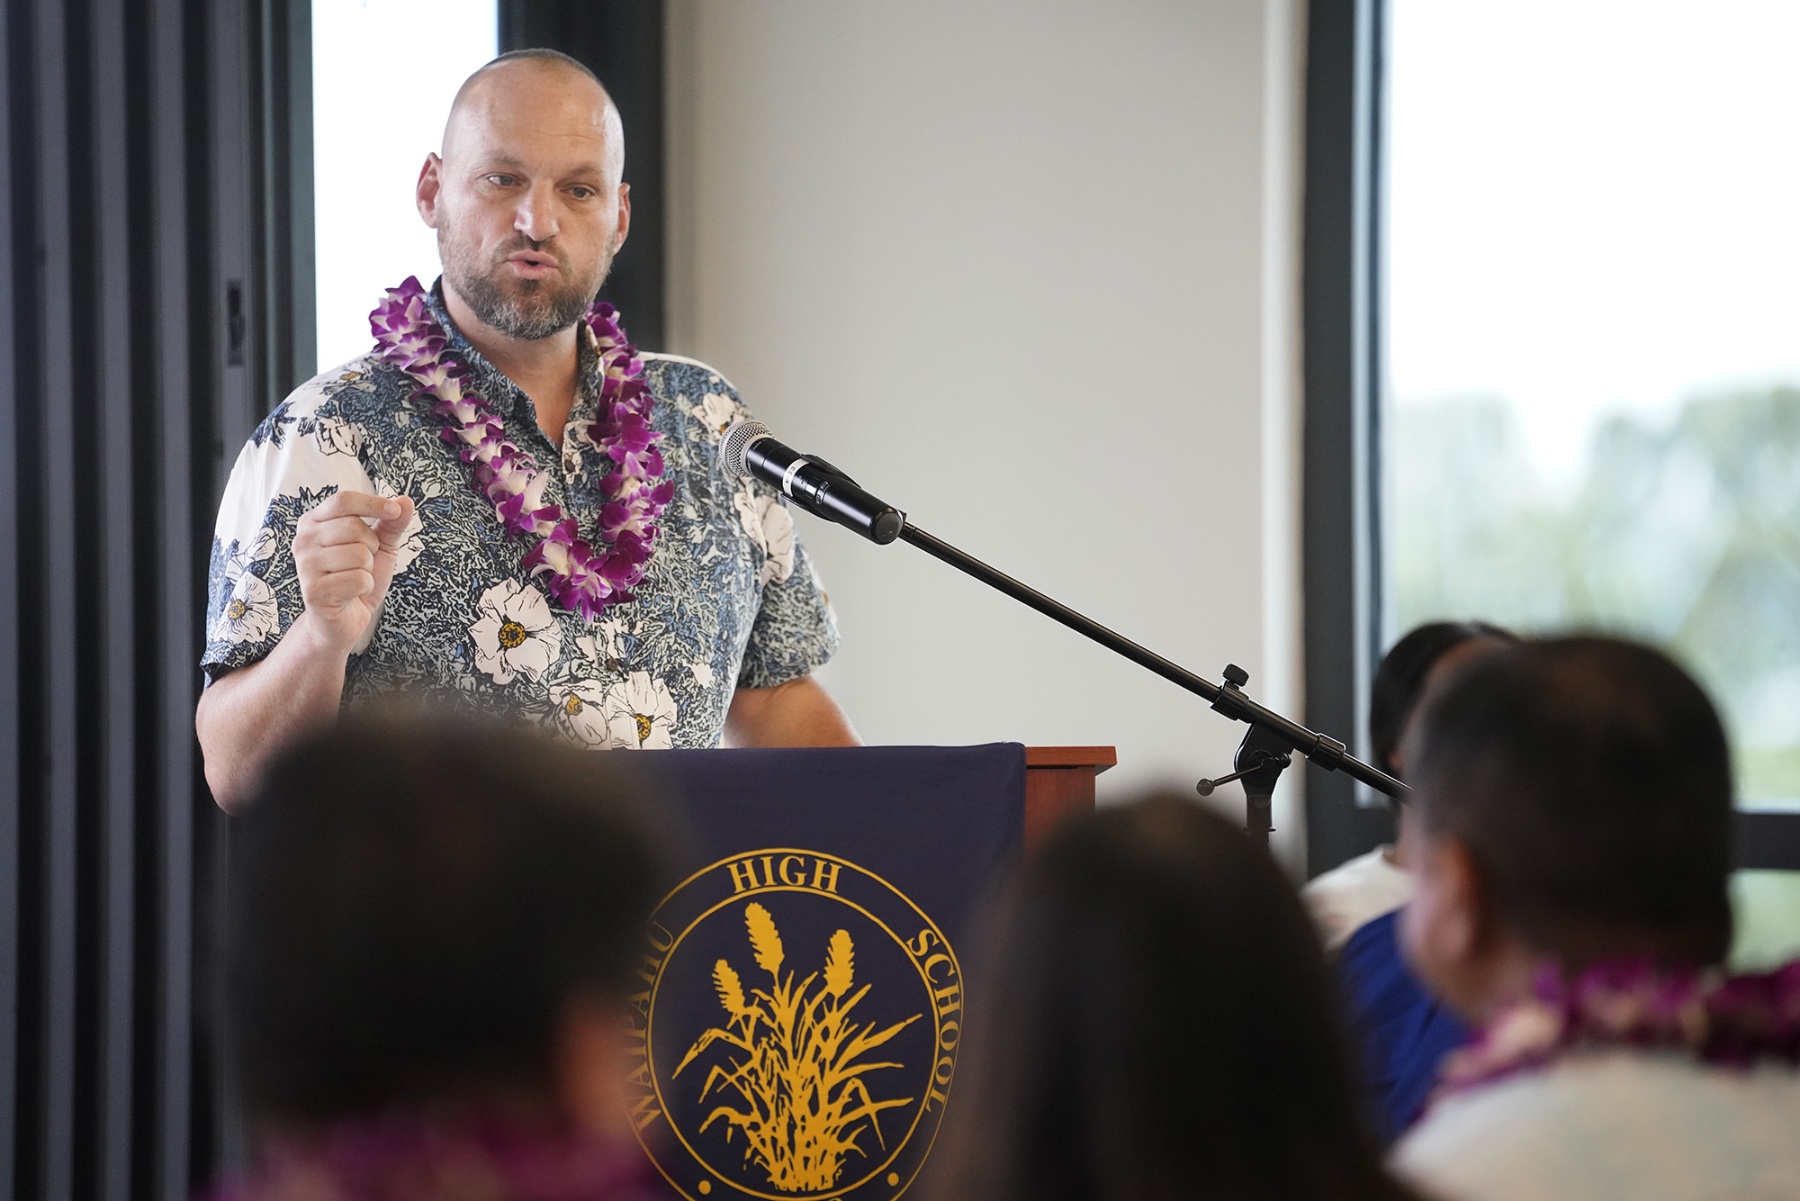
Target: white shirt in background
[1354,892]
[1647,1126]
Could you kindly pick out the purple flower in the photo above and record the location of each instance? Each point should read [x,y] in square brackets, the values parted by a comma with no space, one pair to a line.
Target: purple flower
[404,1155]
[409,337]
[1727,1020]
[615,518]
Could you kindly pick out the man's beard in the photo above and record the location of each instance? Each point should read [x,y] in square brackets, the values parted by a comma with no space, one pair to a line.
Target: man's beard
[527,309]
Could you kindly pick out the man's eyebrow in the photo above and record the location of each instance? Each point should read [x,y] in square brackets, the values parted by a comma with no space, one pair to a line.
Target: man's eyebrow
[507,161]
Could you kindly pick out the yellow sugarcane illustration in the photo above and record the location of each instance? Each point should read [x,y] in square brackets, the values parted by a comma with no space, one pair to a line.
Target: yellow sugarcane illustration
[796,1085]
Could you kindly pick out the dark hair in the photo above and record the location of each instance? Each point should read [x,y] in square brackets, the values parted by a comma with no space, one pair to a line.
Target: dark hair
[1400,679]
[1155,1020]
[1590,780]
[414,905]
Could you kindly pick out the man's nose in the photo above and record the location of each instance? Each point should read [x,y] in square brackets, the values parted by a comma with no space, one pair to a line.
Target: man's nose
[536,215]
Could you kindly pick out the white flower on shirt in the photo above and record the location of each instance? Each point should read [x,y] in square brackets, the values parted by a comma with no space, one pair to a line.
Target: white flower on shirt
[261,547]
[515,634]
[716,412]
[581,712]
[610,629]
[339,437]
[770,526]
[640,713]
[250,614]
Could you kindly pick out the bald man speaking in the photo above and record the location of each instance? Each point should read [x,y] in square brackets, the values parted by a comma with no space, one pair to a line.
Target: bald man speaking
[504,507]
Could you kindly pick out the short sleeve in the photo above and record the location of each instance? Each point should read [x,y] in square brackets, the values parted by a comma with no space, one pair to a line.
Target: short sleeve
[795,631]
[302,453]
[792,631]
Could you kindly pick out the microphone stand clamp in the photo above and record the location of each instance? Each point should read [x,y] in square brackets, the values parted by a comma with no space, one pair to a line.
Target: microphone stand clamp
[1261,758]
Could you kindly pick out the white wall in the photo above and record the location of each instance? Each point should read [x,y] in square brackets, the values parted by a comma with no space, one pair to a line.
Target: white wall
[1029,270]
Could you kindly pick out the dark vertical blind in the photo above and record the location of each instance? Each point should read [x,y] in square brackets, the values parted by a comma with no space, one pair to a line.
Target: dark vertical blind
[149,307]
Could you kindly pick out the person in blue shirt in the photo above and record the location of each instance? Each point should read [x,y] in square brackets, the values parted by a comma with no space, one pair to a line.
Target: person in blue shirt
[1401,1031]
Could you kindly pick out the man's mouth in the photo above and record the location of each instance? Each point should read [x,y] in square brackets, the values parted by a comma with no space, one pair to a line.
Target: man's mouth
[530,264]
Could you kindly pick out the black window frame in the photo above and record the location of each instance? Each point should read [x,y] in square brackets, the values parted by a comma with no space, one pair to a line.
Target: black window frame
[1343,307]
[1341,438]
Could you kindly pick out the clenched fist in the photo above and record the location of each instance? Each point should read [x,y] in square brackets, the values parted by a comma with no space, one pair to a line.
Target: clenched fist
[345,564]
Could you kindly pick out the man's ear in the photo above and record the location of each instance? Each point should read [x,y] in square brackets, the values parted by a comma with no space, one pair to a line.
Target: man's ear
[1449,929]
[624,217]
[431,182]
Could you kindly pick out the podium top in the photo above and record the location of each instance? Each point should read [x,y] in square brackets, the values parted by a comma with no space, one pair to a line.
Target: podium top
[1097,757]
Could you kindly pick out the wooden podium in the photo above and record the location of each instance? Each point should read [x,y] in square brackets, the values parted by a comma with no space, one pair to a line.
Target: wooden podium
[1059,783]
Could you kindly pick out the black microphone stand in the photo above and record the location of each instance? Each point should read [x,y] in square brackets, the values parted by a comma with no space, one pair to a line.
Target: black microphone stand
[1270,743]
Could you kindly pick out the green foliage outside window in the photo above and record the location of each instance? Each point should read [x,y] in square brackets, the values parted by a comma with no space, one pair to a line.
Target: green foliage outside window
[1684,532]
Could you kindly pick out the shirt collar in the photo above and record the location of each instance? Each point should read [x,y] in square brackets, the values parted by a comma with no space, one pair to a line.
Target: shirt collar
[496,387]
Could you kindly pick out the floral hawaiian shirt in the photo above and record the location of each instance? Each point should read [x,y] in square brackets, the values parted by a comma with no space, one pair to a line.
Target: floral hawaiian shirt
[729,599]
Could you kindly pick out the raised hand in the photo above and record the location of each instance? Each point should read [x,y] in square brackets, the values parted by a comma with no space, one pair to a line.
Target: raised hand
[345,565]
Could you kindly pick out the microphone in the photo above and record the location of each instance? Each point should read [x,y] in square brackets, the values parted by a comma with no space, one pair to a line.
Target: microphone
[748,449]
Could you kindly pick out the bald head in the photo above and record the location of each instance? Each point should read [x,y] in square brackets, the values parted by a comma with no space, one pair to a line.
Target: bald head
[539,87]
[527,197]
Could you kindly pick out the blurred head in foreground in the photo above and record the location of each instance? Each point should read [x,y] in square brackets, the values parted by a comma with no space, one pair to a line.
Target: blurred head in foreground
[1574,797]
[1155,1020]
[433,923]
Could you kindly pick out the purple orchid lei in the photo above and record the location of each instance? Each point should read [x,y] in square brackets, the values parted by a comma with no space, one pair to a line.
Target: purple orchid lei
[1716,1018]
[404,1158]
[578,578]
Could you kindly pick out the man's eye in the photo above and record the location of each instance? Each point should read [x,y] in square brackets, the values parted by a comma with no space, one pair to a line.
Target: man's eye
[502,181]
[583,193]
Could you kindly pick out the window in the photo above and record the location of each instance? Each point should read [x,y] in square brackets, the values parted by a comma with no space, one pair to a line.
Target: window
[384,73]
[1593,323]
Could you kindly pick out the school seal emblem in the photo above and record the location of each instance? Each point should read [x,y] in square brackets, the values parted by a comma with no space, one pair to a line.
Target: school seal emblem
[797,1032]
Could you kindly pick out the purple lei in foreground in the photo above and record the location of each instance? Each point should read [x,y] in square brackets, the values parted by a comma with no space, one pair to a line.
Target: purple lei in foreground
[1716,1018]
[577,577]
[407,1159]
